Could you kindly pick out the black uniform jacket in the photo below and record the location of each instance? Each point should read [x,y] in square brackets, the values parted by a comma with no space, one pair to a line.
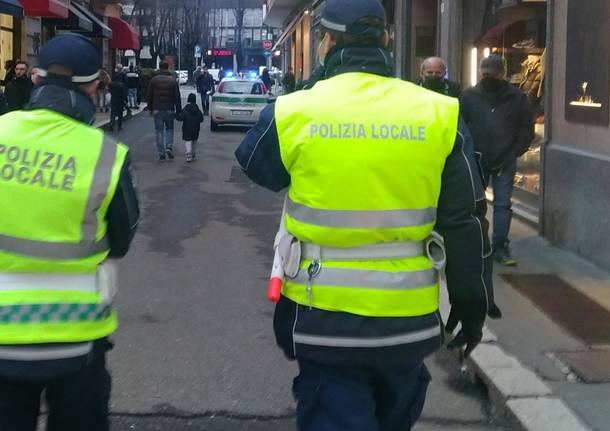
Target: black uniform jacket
[461,221]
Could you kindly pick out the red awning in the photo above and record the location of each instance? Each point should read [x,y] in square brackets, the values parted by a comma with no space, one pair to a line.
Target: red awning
[45,8]
[124,36]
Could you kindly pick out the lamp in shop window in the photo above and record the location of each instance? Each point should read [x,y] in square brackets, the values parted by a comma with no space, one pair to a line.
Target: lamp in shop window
[486,52]
[585,99]
[474,65]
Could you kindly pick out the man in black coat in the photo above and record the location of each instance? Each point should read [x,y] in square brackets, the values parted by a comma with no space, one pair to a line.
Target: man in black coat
[501,122]
[205,84]
[433,71]
[118,101]
[18,91]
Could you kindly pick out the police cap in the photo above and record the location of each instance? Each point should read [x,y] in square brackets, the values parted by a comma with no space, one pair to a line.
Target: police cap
[345,16]
[74,52]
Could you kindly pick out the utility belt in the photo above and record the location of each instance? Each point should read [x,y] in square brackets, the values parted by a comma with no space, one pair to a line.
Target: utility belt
[104,282]
[292,252]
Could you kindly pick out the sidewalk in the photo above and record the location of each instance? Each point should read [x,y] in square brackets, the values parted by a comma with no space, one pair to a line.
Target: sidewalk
[547,362]
[103,118]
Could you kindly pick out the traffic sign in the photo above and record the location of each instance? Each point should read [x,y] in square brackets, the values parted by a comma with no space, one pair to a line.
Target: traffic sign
[267,53]
[267,44]
[197,51]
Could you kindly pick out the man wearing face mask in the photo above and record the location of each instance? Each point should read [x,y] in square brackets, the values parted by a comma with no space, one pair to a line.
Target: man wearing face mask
[72,208]
[372,164]
[501,122]
[433,71]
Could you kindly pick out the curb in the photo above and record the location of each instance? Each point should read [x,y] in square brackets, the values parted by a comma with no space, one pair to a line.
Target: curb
[517,393]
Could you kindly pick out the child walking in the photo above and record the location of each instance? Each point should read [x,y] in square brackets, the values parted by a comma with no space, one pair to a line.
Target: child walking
[191,118]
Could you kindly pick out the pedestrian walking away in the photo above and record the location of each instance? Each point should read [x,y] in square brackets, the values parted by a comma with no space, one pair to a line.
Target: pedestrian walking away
[359,303]
[133,83]
[164,103]
[118,101]
[60,233]
[501,121]
[17,92]
[205,86]
[191,118]
[433,77]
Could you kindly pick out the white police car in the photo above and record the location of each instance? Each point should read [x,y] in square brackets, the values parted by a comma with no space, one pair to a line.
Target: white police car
[237,101]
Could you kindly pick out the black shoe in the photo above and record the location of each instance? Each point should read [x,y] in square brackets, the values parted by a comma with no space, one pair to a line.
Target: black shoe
[170,153]
[161,158]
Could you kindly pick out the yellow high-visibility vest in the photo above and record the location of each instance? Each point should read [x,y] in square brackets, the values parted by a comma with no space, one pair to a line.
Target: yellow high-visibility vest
[57,178]
[365,155]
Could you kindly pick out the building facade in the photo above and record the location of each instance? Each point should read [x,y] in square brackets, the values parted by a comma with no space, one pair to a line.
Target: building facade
[25,25]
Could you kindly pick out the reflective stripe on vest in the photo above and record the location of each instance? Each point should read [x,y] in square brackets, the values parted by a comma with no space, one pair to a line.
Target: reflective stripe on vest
[11,281]
[42,352]
[360,219]
[366,279]
[394,340]
[362,178]
[88,245]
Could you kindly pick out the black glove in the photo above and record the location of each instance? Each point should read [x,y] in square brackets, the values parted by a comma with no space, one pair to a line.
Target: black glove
[472,317]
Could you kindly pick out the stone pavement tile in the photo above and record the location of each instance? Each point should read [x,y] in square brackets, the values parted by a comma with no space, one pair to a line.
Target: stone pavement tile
[545,414]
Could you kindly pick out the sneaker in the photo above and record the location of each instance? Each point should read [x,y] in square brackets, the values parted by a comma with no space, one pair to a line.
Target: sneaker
[189,158]
[161,158]
[170,153]
[505,258]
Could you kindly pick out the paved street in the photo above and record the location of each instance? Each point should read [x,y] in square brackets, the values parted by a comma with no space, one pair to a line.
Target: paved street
[195,349]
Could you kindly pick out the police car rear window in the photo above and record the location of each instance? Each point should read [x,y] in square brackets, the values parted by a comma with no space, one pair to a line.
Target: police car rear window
[242,87]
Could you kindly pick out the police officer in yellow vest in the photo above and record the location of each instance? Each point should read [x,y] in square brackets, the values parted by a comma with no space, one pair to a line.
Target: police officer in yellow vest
[372,164]
[68,204]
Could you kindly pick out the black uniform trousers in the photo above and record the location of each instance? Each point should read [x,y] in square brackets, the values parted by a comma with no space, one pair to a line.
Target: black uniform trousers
[77,402]
[376,398]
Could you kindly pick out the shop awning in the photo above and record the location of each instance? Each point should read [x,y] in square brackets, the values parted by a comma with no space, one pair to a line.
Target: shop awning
[99,28]
[124,36]
[503,35]
[46,8]
[76,21]
[11,7]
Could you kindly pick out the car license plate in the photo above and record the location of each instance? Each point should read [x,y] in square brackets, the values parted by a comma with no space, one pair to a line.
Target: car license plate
[241,113]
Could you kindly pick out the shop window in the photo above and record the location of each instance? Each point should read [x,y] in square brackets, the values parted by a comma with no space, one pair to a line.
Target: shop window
[6,41]
[587,60]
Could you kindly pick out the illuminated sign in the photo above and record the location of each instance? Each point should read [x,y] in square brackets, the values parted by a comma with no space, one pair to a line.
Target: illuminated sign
[220,52]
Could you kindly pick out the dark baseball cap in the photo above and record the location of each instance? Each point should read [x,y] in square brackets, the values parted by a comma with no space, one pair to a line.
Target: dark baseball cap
[493,65]
[72,51]
[344,16]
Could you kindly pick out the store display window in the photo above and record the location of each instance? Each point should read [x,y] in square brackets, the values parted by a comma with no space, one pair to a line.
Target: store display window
[587,62]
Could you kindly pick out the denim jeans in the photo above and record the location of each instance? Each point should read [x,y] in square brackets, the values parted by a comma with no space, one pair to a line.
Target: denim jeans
[164,127]
[205,101]
[338,398]
[502,184]
[132,97]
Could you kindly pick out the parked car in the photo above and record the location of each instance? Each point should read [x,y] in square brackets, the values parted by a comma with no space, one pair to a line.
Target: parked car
[237,101]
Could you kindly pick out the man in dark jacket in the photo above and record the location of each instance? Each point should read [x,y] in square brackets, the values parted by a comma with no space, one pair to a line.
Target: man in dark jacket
[9,72]
[72,374]
[118,101]
[205,84]
[502,126]
[288,82]
[364,370]
[433,71]
[3,107]
[133,84]
[163,103]
[17,92]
